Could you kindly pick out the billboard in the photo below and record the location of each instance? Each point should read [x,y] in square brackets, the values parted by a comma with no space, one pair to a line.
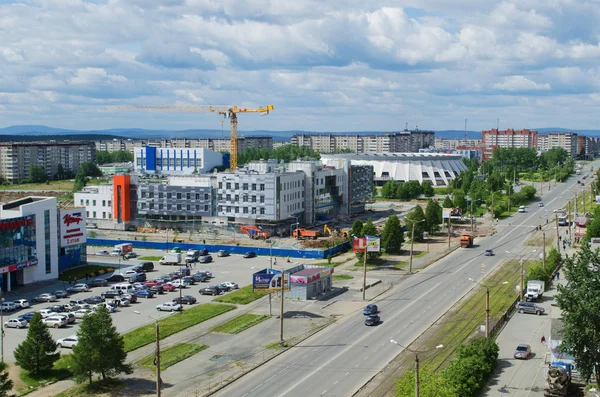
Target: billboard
[72,227]
[373,244]
[359,244]
[269,282]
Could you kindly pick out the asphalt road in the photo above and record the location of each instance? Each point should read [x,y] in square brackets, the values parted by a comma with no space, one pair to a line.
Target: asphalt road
[339,360]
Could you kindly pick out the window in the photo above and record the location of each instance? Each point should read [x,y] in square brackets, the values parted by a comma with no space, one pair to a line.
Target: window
[254,199]
[197,196]
[47,240]
[262,211]
[245,199]
[178,207]
[87,202]
[143,206]
[151,206]
[197,207]
[237,186]
[160,195]
[220,208]
[151,194]
[245,186]
[262,199]
[254,186]
[220,185]
[143,194]
[228,209]
[228,197]
[206,208]
[178,196]
[160,206]
[253,210]
[87,214]
[205,196]
[237,198]
[228,185]
[188,196]
[262,187]
[109,203]
[237,210]
[81,201]
[245,210]
[188,207]
[94,214]
[168,207]
[220,196]
[104,203]
[169,196]
[103,215]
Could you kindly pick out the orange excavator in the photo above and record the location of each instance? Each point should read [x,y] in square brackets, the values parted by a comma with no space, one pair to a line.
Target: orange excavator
[255,233]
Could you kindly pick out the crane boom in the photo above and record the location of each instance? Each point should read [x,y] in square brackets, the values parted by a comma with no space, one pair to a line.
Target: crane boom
[228,111]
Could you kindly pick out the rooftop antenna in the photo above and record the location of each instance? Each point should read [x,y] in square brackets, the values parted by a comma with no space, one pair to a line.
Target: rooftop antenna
[497,124]
[465,130]
[406,126]
[417,126]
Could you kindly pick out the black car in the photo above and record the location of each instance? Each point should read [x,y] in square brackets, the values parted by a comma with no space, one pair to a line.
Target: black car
[98,282]
[61,294]
[250,254]
[57,308]
[223,287]
[370,309]
[212,290]
[203,252]
[157,289]
[185,300]
[201,277]
[205,259]
[111,293]
[144,266]
[116,277]
[190,280]
[92,300]
[373,319]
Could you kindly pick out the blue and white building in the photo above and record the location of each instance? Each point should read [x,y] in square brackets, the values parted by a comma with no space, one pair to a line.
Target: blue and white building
[151,160]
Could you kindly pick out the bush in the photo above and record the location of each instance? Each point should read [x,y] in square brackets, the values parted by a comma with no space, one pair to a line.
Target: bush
[473,364]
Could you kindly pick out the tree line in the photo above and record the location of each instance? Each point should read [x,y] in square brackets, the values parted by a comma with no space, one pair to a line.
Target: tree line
[406,190]
[286,153]
[119,156]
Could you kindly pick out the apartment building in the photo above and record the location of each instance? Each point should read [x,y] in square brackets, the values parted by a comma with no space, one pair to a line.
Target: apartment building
[566,140]
[115,145]
[97,201]
[17,157]
[451,144]
[214,144]
[170,161]
[510,138]
[405,141]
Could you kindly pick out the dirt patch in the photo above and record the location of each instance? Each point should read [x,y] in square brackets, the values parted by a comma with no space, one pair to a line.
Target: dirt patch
[13,373]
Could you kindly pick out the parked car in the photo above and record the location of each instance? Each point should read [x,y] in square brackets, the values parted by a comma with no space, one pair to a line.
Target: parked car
[212,290]
[61,294]
[529,307]
[224,287]
[250,254]
[540,204]
[152,283]
[185,300]
[79,288]
[201,277]
[178,283]
[138,278]
[131,255]
[176,250]
[93,300]
[131,298]
[115,278]
[81,313]
[559,210]
[489,253]
[71,307]
[67,342]
[102,252]
[121,302]
[16,323]
[144,293]
[57,308]
[175,276]
[181,272]
[139,286]
[44,298]
[169,307]
[222,253]
[208,274]
[7,306]
[54,321]
[98,282]
[190,280]
[168,287]
[69,316]
[232,285]
[164,279]
[80,302]
[203,252]
[22,303]
[146,266]
[108,307]
[373,319]
[129,273]
[157,289]
[111,293]
[46,313]
[205,259]
[523,351]
[370,309]
[26,316]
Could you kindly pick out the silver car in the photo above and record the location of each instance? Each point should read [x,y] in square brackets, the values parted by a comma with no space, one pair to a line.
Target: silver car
[523,352]
[529,307]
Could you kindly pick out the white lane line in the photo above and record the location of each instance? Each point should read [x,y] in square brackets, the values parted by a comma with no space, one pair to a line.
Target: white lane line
[324,391]
[336,382]
[356,342]
[257,387]
[347,373]
[245,394]
[366,358]
[356,366]
[270,378]
[304,356]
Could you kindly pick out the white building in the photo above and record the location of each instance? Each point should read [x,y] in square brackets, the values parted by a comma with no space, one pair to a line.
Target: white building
[20,263]
[175,161]
[565,140]
[97,201]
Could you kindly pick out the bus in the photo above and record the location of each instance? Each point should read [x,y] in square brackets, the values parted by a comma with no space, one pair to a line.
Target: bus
[563,220]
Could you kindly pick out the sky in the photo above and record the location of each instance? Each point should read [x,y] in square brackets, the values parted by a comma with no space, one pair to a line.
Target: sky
[339,66]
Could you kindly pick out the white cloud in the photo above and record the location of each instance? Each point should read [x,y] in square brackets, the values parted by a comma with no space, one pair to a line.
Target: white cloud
[520,83]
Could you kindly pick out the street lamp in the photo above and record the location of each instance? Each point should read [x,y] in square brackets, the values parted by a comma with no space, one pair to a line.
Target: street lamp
[521,262]
[412,240]
[487,303]
[416,353]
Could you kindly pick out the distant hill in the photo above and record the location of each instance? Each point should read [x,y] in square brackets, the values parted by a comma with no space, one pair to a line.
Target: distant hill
[62,137]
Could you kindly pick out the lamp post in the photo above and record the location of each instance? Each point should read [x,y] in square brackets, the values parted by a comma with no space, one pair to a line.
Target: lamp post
[487,304]
[412,240]
[270,267]
[416,353]
[297,218]
[522,273]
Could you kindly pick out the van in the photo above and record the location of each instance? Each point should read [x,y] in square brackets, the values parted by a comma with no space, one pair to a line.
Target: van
[522,208]
[192,256]
[146,266]
[125,288]
[137,278]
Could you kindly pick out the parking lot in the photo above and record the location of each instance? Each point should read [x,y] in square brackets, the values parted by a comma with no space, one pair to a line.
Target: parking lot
[232,268]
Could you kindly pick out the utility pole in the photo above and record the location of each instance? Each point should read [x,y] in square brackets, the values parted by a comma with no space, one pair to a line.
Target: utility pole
[281,340]
[508,196]
[487,312]
[448,231]
[544,250]
[521,261]
[365,273]
[412,240]
[416,375]
[557,242]
[271,267]
[157,360]
[575,203]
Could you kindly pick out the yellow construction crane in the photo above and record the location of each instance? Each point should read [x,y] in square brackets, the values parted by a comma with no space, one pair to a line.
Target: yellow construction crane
[230,112]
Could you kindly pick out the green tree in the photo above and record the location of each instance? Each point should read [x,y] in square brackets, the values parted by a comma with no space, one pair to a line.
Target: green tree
[6,385]
[80,182]
[357,228]
[37,174]
[474,362]
[121,156]
[427,187]
[88,168]
[368,229]
[431,384]
[99,349]
[495,182]
[389,190]
[460,199]
[392,236]
[579,301]
[418,222]
[433,216]
[37,353]
[103,157]
[447,202]
[529,192]
[413,189]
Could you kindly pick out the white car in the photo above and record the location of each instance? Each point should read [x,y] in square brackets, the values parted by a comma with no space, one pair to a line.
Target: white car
[231,284]
[169,307]
[67,342]
[560,210]
[102,252]
[122,302]
[81,313]
[178,282]
[8,306]
[129,273]
[15,323]
[109,308]
[46,313]
[22,302]
[55,321]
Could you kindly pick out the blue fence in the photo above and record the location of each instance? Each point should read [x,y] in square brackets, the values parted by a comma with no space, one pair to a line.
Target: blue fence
[233,249]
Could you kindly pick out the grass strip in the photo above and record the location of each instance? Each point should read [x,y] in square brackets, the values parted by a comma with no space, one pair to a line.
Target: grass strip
[175,323]
[60,370]
[242,296]
[371,262]
[171,355]
[342,277]
[150,258]
[51,185]
[80,272]
[240,323]
[106,387]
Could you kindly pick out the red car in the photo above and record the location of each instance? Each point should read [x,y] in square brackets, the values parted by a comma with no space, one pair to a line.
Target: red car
[168,287]
[152,283]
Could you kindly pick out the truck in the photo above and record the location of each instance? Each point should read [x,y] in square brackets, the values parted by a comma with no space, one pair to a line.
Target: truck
[466,240]
[192,256]
[170,258]
[535,289]
[306,234]
[558,379]
[121,249]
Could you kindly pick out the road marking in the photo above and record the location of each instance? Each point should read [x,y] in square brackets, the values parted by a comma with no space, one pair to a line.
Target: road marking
[347,373]
[356,366]
[356,342]
[304,356]
[324,391]
[270,378]
[366,358]
[336,382]
[245,394]
[257,387]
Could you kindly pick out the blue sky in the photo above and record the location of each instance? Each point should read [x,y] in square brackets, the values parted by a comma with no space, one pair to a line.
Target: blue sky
[325,65]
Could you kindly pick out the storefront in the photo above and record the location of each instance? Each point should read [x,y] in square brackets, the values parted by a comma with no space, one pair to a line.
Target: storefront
[17,249]
[309,281]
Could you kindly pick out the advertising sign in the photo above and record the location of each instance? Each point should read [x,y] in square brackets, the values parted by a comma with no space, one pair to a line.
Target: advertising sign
[373,244]
[359,244]
[269,282]
[72,227]
[597,199]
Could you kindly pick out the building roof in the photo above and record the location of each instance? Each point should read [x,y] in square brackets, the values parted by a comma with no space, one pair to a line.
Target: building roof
[308,271]
[393,156]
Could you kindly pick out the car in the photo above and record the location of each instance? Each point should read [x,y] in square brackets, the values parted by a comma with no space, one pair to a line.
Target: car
[370,309]
[189,279]
[175,276]
[203,252]
[168,287]
[57,308]
[111,293]
[93,300]
[138,278]
[7,306]
[70,307]
[54,321]
[202,277]
[67,342]
[129,273]
[185,300]
[153,283]
[26,316]
[489,253]
[157,289]
[522,209]
[582,184]
[138,286]
[102,252]
[81,313]
[98,282]
[169,307]
[222,253]
[69,316]
[131,255]
[80,302]
[16,323]
[22,303]
[250,254]
[61,293]
[529,307]
[46,313]
[181,272]
[44,298]
[178,283]
[232,285]
[540,204]
[131,298]
[145,266]
[212,290]
[373,319]
[109,308]
[79,288]
[205,259]
[176,250]
[165,279]
[115,278]
[144,293]
[208,274]
[559,210]
[522,352]
[224,287]
[121,302]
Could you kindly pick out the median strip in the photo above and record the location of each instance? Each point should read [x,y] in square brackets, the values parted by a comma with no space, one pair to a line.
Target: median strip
[240,323]
[242,296]
[171,355]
